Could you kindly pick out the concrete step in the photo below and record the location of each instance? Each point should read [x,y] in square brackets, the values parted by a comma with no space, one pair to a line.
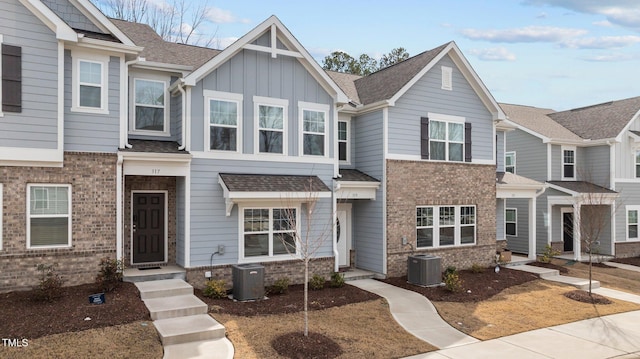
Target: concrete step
[163,288]
[187,329]
[177,306]
[355,274]
[579,283]
[208,349]
[541,272]
[135,275]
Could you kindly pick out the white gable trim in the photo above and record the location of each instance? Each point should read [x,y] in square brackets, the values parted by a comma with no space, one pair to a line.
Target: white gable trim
[626,127]
[97,17]
[51,20]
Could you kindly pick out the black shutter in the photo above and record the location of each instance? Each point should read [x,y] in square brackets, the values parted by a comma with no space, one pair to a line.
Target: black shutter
[424,138]
[11,78]
[467,142]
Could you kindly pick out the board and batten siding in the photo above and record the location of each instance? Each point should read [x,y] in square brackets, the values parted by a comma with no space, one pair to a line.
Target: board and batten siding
[253,73]
[71,15]
[425,96]
[210,226]
[89,132]
[37,125]
[531,154]
[625,153]
[368,222]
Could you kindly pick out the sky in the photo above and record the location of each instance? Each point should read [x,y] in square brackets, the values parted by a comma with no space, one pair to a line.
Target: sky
[558,54]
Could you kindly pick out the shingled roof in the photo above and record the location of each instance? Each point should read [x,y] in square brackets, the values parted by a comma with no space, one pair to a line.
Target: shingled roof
[346,82]
[272,183]
[158,50]
[538,120]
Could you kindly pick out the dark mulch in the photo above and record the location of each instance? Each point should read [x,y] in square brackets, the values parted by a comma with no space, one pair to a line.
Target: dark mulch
[290,302]
[583,296]
[634,261]
[563,270]
[476,286]
[296,346]
[24,317]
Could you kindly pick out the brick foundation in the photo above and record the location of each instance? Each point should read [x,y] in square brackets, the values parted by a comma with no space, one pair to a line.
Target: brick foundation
[93,216]
[416,183]
[626,250]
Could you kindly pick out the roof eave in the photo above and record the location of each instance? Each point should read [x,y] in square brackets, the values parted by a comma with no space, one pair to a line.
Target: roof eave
[51,20]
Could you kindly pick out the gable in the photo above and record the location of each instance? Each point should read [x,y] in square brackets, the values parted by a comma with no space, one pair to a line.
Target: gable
[71,15]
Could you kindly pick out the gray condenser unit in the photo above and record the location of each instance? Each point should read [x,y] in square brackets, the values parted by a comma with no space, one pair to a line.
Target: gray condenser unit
[248,281]
[424,270]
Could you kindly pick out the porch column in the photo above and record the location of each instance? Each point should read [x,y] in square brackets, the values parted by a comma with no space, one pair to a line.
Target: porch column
[532,228]
[577,229]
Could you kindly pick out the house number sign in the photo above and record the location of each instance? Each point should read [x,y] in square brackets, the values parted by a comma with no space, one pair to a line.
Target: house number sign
[155,171]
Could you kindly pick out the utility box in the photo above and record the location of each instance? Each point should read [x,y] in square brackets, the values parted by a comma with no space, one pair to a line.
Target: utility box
[248,281]
[424,270]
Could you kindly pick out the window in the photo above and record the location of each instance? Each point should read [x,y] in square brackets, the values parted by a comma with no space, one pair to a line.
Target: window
[149,102]
[442,226]
[510,162]
[568,163]
[447,83]
[343,141]
[48,216]
[511,221]
[268,232]
[11,75]
[90,84]
[632,222]
[637,163]
[272,123]
[446,141]
[223,130]
[313,121]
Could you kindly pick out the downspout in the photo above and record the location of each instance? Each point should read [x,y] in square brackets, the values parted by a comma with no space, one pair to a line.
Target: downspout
[184,115]
[124,124]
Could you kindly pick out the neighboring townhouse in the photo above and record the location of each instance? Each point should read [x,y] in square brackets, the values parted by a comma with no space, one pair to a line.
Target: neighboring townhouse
[588,157]
[115,143]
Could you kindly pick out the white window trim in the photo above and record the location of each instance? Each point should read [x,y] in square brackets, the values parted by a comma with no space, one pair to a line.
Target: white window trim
[626,220]
[447,119]
[347,141]
[272,102]
[635,162]
[1,115]
[228,97]
[515,222]
[103,60]
[69,215]
[575,162]
[270,206]
[132,114]
[316,107]
[514,161]
[457,227]
[447,78]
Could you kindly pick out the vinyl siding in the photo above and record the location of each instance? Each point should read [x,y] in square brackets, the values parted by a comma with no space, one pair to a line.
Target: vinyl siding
[629,196]
[500,224]
[37,125]
[531,155]
[520,243]
[71,15]
[427,96]
[595,165]
[500,151]
[368,221]
[88,132]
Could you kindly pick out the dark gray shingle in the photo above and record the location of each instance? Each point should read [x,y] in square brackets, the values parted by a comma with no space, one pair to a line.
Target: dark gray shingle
[272,183]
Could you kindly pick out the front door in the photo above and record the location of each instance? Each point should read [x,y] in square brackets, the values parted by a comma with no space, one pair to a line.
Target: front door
[149,228]
[567,231]
[343,233]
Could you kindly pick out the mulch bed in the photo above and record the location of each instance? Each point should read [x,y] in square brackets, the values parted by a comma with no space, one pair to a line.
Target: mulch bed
[296,346]
[563,270]
[583,296]
[634,261]
[290,302]
[24,317]
[475,286]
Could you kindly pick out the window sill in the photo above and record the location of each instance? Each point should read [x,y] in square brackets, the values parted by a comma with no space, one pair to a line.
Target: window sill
[261,259]
[35,248]
[95,111]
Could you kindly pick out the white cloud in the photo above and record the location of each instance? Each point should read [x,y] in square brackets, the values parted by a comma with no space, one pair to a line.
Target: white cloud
[493,54]
[610,58]
[620,12]
[221,16]
[224,42]
[603,42]
[523,34]
[603,23]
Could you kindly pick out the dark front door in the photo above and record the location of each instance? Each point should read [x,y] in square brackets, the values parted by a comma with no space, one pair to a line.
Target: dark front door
[567,231]
[148,228]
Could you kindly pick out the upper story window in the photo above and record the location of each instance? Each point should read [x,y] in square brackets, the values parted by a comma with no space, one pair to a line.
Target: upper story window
[90,89]
[511,221]
[445,138]
[442,226]
[11,75]
[637,162]
[150,113]
[268,232]
[343,141]
[510,162]
[314,136]
[271,118]
[48,216]
[568,163]
[223,130]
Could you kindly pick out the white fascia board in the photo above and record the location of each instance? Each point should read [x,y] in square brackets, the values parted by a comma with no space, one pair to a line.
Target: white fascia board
[507,193]
[51,20]
[544,139]
[152,156]
[97,17]
[31,157]
[86,42]
[303,196]
[357,184]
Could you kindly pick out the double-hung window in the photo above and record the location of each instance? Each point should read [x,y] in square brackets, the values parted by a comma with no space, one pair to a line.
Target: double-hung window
[568,163]
[90,89]
[268,232]
[632,223]
[271,116]
[445,226]
[314,128]
[343,141]
[223,130]
[446,141]
[150,111]
[510,162]
[511,221]
[637,163]
[48,216]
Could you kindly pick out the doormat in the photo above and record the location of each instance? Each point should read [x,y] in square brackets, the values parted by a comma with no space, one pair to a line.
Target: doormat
[147,268]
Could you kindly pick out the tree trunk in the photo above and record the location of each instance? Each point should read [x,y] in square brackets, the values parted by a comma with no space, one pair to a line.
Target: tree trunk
[306,297]
[590,271]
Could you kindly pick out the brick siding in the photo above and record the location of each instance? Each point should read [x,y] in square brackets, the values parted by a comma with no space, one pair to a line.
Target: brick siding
[626,250]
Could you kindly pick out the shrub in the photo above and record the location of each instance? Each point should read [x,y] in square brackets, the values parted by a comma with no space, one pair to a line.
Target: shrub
[50,286]
[477,268]
[280,286]
[215,288]
[316,282]
[452,281]
[548,254]
[337,280]
[110,275]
